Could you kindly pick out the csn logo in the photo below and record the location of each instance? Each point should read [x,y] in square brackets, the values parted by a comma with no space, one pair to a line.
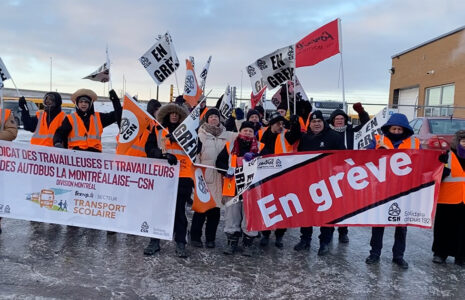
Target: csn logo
[394,213]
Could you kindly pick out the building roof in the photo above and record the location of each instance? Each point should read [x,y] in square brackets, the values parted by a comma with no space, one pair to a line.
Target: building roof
[428,42]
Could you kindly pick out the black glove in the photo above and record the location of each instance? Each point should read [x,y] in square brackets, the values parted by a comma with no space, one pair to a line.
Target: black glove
[156,153]
[172,160]
[171,137]
[113,96]
[444,157]
[23,104]
[294,119]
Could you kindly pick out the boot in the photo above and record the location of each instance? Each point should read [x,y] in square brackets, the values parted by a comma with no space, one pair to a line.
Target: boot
[247,242]
[302,245]
[0,225]
[233,244]
[279,242]
[264,240]
[181,250]
[152,247]
[324,250]
[343,238]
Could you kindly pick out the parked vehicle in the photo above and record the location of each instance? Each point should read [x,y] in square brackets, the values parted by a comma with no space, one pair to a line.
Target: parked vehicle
[436,132]
[13,105]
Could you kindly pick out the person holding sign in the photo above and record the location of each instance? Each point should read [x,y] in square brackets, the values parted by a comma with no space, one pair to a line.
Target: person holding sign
[449,224]
[244,146]
[82,130]
[339,122]
[46,122]
[318,137]
[212,138]
[397,134]
[8,130]
[277,140]
[162,144]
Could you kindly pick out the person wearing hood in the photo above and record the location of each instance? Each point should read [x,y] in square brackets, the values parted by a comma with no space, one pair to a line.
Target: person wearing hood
[449,223]
[161,144]
[46,122]
[8,129]
[318,137]
[212,139]
[277,140]
[246,147]
[339,122]
[138,147]
[254,117]
[397,134]
[82,130]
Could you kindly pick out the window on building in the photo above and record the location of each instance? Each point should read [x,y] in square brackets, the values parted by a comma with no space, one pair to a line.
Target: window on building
[440,100]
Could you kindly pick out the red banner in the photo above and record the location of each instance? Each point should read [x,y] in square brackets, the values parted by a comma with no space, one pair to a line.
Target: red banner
[254,99]
[318,45]
[348,188]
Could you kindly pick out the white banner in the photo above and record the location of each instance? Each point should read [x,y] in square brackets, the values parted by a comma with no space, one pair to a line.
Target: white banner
[126,194]
[186,132]
[102,74]
[204,73]
[160,61]
[272,69]
[364,136]
[226,105]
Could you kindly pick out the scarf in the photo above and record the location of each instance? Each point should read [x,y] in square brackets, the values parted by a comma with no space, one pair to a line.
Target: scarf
[460,151]
[338,129]
[213,130]
[244,141]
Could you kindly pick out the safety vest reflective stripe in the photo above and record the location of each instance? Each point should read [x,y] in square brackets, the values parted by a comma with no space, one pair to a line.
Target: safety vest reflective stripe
[229,184]
[53,126]
[186,169]
[452,178]
[89,136]
[138,148]
[413,143]
[4,115]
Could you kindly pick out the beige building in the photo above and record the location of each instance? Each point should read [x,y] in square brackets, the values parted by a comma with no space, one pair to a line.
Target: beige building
[429,79]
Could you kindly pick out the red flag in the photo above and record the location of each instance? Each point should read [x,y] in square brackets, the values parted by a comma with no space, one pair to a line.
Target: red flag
[318,45]
[254,99]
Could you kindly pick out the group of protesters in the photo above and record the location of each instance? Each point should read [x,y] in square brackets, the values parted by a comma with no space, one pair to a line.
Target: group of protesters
[225,142]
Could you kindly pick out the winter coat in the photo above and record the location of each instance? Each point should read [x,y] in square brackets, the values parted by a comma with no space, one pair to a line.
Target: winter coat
[394,120]
[211,147]
[325,140]
[348,133]
[10,129]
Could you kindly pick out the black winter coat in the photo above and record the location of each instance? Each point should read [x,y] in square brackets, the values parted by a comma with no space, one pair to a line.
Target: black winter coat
[328,139]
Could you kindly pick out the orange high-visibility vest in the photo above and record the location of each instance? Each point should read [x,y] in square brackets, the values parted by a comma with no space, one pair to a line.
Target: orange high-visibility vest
[229,184]
[409,143]
[452,190]
[138,147]
[4,115]
[43,135]
[186,169]
[303,124]
[281,144]
[260,133]
[82,138]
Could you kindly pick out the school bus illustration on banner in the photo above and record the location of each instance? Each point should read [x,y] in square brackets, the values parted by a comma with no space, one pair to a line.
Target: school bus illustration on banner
[47,197]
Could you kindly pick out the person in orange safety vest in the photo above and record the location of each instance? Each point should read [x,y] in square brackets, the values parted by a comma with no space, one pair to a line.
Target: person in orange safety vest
[449,223]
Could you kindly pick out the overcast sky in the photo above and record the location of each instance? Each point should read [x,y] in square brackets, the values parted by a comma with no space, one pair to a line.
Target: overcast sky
[234,32]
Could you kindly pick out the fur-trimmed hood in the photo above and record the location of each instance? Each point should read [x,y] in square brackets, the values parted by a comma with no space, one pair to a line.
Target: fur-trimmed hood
[164,112]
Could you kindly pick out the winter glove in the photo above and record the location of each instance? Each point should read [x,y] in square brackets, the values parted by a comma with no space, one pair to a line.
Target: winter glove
[172,160]
[358,107]
[171,137]
[249,156]
[444,157]
[230,172]
[113,96]
[239,113]
[23,104]
[156,153]
[59,145]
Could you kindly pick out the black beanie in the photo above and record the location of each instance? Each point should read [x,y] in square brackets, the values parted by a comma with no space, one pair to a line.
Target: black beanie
[252,112]
[152,106]
[260,109]
[317,114]
[247,124]
[282,105]
[211,111]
